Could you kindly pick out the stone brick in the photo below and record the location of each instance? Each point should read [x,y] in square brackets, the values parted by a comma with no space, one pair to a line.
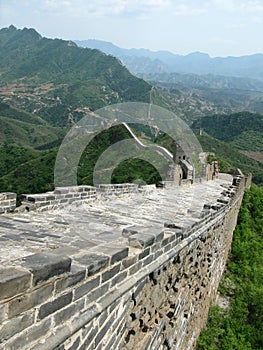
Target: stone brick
[93,262]
[3,313]
[158,235]
[13,281]
[144,253]
[119,278]
[116,253]
[87,329]
[75,345]
[97,293]
[67,312]
[138,290]
[86,288]
[76,275]
[61,190]
[147,260]
[46,265]
[103,331]
[155,247]
[7,195]
[103,316]
[135,268]
[55,339]
[110,273]
[131,230]
[30,335]
[54,305]
[157,254]
[130,260]
[90,337]
[140,240]
[109,345]
[30,300]
[16,325]
[165,241]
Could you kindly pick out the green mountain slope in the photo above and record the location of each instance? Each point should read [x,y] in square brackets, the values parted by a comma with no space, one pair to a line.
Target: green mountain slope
[25,129]
[31,171]
[240,324]
[243,130]
[60,81]
[227,153]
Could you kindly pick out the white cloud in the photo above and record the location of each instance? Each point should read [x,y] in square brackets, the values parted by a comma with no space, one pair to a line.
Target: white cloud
[235,26]
[241,6]
[187,10]
[226,5]
[103,7]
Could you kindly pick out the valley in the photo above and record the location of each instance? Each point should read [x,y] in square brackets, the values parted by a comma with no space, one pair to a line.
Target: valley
[48,85]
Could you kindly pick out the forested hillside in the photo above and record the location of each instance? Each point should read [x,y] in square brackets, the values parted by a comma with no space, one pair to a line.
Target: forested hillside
[239,323]
[235,127]
[47,85]
[58,80]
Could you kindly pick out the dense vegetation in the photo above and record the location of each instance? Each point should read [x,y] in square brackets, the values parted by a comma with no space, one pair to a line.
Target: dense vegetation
[240,326]
[244,129]
[27,130]
[226,153]
[60,81]
[27,170]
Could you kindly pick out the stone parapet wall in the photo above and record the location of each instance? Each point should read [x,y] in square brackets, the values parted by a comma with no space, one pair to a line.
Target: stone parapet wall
[58,198]
[64,196]
[152,293]
[7,202]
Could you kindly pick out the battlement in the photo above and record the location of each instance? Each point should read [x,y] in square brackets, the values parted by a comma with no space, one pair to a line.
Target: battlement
[122,267]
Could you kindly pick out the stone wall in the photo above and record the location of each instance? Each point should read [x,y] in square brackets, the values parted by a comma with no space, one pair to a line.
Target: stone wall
[64,196]
[7,202]
[153,294]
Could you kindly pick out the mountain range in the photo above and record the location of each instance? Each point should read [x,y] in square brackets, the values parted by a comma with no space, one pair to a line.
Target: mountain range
[47,85]
[143,61]
[59,81]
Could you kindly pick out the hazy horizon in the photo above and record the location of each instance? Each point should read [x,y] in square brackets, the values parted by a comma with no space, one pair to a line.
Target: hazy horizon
[220,28]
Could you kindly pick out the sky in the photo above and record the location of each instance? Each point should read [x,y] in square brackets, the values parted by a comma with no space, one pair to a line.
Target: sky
[217,27]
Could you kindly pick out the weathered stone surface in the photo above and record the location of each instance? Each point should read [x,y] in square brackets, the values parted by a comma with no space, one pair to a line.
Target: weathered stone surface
[16,325]
[54,305]
[110,273]
[86,288]
[141,240]
[131,230]
[93,262]
[13,281]
[30,300]
[24,339]
[69,311]
[116,253]
[76,275]
[46,265]
[124,305]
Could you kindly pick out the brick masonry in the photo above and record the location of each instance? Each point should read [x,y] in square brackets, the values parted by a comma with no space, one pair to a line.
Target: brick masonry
[153,293]
[64,196]
[7,202]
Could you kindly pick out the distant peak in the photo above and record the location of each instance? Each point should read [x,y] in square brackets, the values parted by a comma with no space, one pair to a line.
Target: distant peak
[12,27]
[198,54]
[32,31]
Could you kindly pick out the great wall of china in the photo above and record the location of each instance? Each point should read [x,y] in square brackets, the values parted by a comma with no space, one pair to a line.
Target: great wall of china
[116,266]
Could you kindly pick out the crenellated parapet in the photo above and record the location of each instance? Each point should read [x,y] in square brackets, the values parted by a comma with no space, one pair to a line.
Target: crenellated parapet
[130,268]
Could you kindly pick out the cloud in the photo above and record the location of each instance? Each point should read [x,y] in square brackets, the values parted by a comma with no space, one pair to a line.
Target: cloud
[241,6]
[184,9]
[236,26]
[103,7]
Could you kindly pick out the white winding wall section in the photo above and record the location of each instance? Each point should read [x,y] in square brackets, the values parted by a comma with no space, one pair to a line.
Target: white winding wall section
[168,155]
